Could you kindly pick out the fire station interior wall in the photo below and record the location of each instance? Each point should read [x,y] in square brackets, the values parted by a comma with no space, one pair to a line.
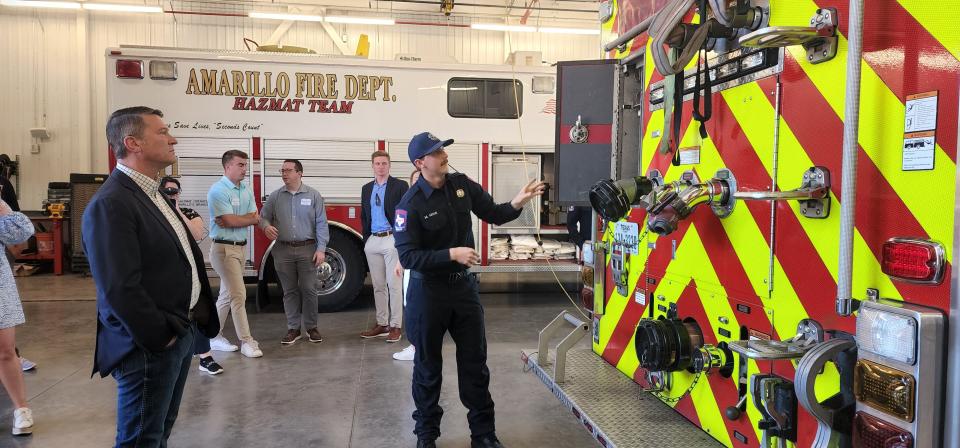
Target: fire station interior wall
[53,70]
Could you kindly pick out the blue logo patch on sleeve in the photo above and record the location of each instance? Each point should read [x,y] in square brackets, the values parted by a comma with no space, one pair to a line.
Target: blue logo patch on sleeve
[400,223]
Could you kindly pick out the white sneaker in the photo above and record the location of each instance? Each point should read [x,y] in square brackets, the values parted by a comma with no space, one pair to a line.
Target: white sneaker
[221,344]
[22,422]
[27,365]
[251,350]
[405,354]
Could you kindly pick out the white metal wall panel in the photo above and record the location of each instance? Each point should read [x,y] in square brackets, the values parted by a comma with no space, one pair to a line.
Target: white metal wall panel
[320,168]
[337,169]
[210,147]
[333,190]
[318,149]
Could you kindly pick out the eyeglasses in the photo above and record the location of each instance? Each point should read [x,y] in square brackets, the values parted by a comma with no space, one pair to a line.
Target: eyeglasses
[170,191]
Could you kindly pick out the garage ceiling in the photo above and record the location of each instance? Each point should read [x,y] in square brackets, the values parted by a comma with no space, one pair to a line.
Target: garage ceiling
[582,11]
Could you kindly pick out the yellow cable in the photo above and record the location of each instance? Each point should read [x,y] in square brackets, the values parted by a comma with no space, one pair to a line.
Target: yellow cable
[516,101]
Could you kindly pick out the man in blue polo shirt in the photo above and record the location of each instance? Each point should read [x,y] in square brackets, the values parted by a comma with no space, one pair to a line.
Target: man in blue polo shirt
[232,211]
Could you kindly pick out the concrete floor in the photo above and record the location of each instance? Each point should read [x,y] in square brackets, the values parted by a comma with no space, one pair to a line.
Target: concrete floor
[345,392]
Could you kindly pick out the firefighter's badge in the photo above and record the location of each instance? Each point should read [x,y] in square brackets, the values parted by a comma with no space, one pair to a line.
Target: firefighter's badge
[460,193]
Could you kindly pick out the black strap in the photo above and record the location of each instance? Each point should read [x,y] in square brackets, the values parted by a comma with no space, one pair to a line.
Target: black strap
[676,136]
[703,68]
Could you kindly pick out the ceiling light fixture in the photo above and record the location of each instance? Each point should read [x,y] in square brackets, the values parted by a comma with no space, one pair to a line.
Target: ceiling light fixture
[38,4]
[121,8]
[278,16]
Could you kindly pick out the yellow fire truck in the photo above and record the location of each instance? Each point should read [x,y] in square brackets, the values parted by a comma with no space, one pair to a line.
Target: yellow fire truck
[774,191]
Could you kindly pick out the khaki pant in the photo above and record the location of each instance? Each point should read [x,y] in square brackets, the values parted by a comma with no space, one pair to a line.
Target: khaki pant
[228,261]
[387,288]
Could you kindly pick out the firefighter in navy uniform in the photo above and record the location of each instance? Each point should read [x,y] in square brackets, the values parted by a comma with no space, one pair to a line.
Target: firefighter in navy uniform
[434,238]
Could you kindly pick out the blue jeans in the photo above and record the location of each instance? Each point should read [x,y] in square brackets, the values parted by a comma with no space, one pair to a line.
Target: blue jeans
[149,389]
[201,343]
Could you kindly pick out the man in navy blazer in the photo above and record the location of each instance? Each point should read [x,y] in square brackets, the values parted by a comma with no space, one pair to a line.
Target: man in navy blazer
[152,287]
[379,199]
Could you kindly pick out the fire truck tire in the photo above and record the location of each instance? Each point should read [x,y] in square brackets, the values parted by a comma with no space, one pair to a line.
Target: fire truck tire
[347,272]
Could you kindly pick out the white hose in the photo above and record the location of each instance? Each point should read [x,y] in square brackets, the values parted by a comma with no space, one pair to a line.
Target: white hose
[848,190]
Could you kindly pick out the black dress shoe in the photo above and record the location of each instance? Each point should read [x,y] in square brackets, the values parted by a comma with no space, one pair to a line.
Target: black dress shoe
[426,443]
[487,441]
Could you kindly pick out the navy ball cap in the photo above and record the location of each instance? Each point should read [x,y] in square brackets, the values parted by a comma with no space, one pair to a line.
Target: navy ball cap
[425,143]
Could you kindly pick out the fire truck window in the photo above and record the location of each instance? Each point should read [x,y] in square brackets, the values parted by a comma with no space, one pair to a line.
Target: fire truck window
[484,98]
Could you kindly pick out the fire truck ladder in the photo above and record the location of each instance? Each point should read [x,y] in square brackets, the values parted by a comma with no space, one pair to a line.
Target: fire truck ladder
[609,405]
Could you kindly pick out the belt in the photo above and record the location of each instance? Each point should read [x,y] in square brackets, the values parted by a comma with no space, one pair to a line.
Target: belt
[383,234]
[231,243]
[449,278]
[297,243]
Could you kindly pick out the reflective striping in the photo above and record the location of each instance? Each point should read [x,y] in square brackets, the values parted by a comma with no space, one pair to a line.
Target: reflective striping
[722,260]
[941,26]
[705,305]
[797,252]
[878,136]
[809,122]
[909,60]
[811,127]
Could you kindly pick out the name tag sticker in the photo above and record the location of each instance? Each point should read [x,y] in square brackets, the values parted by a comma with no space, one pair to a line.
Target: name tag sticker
[306,201]
[235,202]
[400,222]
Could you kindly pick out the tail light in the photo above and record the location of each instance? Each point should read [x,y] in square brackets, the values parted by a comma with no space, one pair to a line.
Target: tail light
[129,68]
[886,389]
[871,432]
[913,260]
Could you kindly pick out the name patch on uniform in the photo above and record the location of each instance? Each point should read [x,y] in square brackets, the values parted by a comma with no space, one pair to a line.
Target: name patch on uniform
[460,193]
[431,215]
[306,201]
[400,222]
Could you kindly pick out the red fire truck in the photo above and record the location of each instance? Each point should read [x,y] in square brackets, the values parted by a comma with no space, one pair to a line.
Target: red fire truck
[775,191]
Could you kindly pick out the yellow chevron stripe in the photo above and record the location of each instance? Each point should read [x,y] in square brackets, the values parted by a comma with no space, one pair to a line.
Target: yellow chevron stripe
[691,258]
[617,303]
[746,103]
[941,26]
[881,138]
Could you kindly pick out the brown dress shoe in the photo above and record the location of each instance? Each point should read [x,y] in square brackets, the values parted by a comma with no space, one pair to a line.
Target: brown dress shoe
[375,332]
[394,335]
[291,337]
[313,335]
